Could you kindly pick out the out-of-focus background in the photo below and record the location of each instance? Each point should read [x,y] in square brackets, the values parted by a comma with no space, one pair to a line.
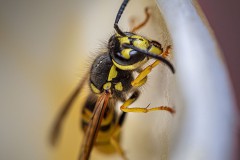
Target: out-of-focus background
[223,17]
[45,47]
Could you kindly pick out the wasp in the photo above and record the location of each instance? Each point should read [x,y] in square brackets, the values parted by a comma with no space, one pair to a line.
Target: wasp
[111,80]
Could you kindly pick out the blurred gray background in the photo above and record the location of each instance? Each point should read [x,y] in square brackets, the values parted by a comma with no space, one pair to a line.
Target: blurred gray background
[223,17]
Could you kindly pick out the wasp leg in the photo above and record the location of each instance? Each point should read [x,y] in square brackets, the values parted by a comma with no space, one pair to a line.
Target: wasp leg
[134,97]
[115,136]
[142,77]
[147,14]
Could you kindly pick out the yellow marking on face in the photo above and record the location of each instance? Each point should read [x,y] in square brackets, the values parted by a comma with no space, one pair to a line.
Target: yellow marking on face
[137,37]
[126,53]
[141,44]
[94,88]
[113,73]
[155,50]
[130,67]
[107,85]
[117,35]
[119,86]
[124,40]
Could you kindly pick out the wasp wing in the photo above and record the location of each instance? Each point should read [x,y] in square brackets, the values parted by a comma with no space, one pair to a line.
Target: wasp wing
[65,109]
[93,126]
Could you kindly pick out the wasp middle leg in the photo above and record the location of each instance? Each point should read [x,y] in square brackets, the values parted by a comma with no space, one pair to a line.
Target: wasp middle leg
[134,97]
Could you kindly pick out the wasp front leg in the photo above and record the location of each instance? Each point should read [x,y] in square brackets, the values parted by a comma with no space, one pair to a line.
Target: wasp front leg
[142,77]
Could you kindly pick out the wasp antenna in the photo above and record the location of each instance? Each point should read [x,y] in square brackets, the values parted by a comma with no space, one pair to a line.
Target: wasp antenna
[169,64]
[119,14]
[119,31]
[120,11]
